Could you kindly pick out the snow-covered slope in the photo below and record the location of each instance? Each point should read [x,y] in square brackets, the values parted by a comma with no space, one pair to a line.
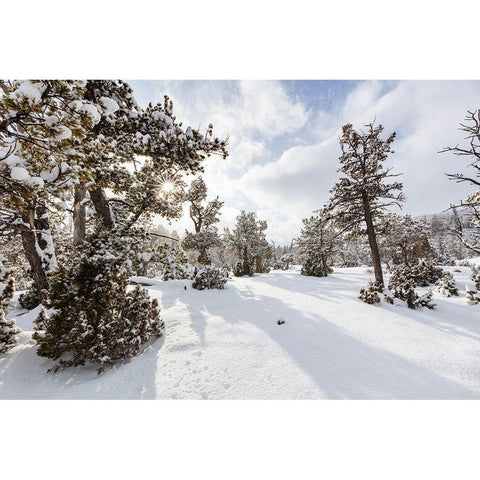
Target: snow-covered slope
[228,345]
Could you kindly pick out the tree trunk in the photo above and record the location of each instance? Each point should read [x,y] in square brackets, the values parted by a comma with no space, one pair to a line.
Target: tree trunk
[102,207]
[79,215]
[258,264]
[246,267]
[29,242]
[372,240]
[324,265]
[44,238]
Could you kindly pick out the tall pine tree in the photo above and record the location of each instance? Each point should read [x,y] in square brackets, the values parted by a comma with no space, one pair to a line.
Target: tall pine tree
[362,195]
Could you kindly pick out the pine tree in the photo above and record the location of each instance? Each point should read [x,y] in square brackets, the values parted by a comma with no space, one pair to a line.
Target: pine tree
[204,216]
[317,244]
[370,294]
[472,295]
[172,261]
[446,285]
[248,241]
[362,195]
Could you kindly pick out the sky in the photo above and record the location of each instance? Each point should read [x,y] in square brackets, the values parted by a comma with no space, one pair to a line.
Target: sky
[284,147]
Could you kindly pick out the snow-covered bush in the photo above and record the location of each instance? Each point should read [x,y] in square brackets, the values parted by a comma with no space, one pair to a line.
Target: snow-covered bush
[29,299]
[476,276]
[173,262]
[446,285]
[285,261]
[421,274]
[6,283]
[472,295]
[424,273]
[403,288]
[209,278]
[369,294]
[313,266]
[8,329]
[94,318]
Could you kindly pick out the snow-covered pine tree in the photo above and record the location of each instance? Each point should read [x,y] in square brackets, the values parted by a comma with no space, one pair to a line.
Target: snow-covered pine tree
[317,244]
[403,281]
[208,277]
[362,195]
[424,272]
[473,292]
[404,239]
[472,295]
[204,216]
[286,260]
[8,329]
[353,252]
[248,241]
[446,285]
[370,294]
[172,262]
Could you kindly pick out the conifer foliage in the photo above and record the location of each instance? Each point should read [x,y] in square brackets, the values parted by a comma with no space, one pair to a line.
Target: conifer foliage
[317,244]
[209,277]
[42,126]
[248,241]
[446,285]
[370,294]
[471,129]
[172,262]
[8,329]
[473,293]
[94,318]
[405,239]
[405,278]
[204,216]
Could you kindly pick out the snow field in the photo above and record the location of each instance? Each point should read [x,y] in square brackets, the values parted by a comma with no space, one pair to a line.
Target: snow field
[227,344]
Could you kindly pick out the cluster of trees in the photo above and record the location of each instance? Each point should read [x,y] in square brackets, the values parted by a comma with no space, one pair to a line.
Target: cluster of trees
[358,219]
[83,172]
[85,150]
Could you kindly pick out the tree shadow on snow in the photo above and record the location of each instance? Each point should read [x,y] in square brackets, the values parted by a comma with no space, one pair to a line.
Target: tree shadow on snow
[341,365]
[132,379]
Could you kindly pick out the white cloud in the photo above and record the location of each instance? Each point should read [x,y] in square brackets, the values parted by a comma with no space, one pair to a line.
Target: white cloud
[284,184]
[426,116]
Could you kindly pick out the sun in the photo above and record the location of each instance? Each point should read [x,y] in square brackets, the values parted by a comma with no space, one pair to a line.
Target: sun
[167,187]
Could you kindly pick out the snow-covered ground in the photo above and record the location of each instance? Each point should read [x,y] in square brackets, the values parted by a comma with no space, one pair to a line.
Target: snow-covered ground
[228,345]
